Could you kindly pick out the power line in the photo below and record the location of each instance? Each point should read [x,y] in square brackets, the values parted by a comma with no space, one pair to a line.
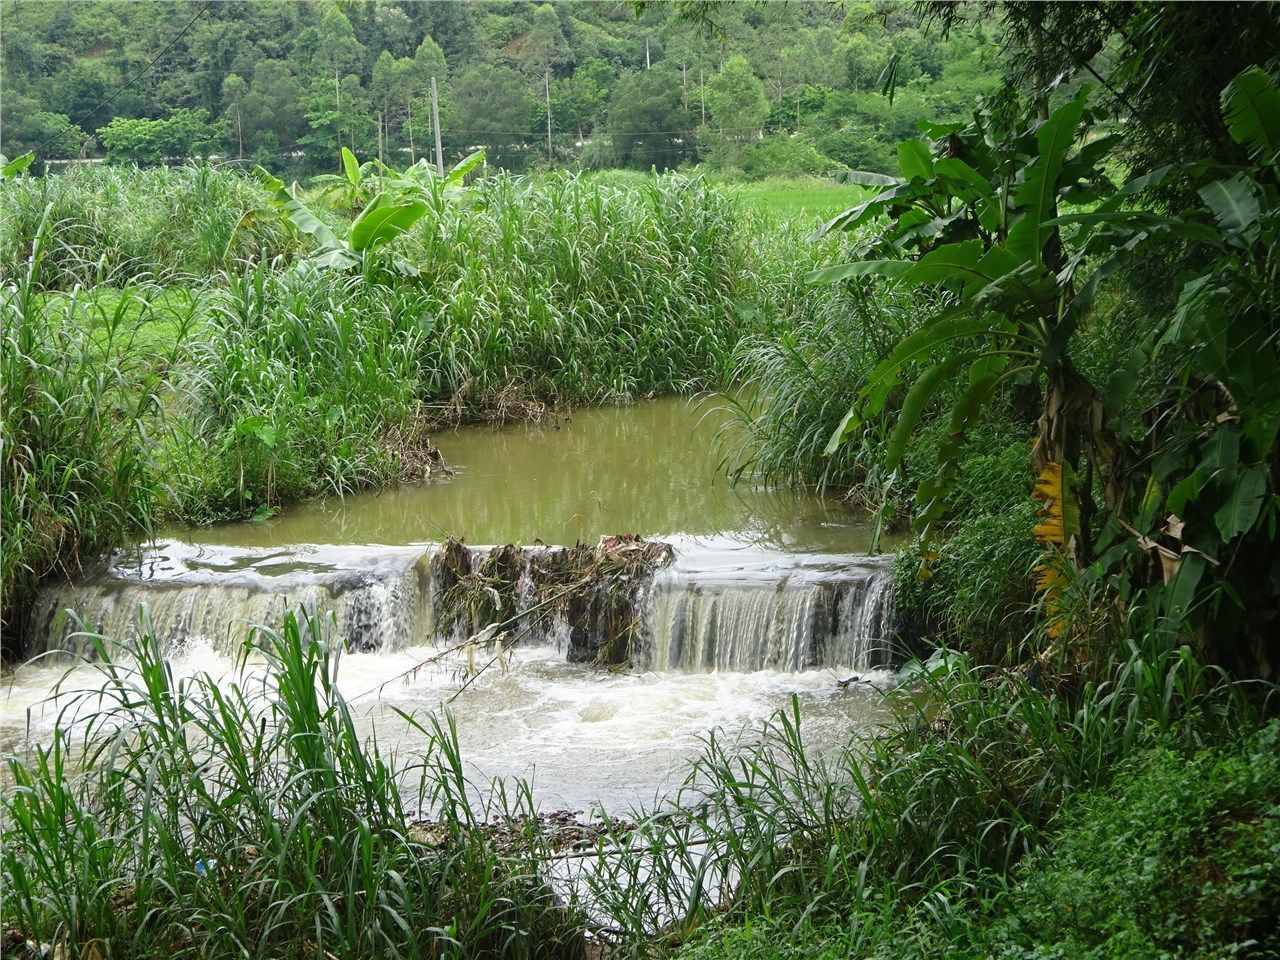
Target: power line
[570,133]
[136,77]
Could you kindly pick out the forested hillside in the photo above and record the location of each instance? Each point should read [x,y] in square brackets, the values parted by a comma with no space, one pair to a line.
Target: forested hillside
[788,88]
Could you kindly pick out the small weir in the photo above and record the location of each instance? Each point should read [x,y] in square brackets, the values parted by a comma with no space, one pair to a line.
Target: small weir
[764,596]
[714,607]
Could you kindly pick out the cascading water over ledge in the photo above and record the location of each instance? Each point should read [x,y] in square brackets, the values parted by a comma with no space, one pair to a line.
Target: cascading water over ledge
[718,606]
[725,607]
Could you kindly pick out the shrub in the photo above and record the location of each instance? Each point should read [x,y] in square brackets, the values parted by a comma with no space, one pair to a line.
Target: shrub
[976,590]
[1180,858]
[783,157]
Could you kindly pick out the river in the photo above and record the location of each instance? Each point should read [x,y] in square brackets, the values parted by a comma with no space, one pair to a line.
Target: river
[771,595]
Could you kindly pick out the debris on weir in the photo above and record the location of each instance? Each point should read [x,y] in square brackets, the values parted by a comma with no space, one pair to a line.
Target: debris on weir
[591,593]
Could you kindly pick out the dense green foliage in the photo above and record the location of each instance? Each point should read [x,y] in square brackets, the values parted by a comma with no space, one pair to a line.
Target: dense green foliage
[1092,278]
[916,842]
[76,481]
[1026,241]
[1015,289]
[107,226]
[1179,858]
[1088,266]
[285,83]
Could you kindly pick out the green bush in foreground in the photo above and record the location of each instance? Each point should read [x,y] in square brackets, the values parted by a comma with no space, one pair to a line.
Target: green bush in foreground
[1180,858]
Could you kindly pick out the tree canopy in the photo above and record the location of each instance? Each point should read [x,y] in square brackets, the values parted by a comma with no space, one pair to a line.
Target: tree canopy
[286,84]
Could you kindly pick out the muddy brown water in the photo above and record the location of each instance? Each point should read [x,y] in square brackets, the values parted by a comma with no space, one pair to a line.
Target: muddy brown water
[651,468]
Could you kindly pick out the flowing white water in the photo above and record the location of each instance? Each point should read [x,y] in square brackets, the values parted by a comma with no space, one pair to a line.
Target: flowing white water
[582,737]
[719,606]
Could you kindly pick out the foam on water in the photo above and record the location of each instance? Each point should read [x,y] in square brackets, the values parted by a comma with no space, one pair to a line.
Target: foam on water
[583,739]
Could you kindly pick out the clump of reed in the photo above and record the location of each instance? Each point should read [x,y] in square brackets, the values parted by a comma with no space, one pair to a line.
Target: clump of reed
[109,224]
[581,291]
[80,400]
[196,818]
[290,390]
[801,375]
[567,289]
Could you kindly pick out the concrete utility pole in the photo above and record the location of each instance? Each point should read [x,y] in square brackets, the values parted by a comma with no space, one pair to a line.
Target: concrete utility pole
[435,121]
[547,78]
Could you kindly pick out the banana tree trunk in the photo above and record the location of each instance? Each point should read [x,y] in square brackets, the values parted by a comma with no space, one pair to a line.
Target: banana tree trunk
[1072,427]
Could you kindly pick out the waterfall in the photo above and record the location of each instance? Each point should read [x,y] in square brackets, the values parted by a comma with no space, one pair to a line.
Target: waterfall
[381,599]
[717,607]
[809,612]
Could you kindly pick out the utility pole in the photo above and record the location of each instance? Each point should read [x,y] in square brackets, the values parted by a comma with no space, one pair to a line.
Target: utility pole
[547,79]
[435,120]
[413,157]
[646,53]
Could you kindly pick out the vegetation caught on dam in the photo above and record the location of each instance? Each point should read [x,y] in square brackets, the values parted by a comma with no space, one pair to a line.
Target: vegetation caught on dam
[990,287]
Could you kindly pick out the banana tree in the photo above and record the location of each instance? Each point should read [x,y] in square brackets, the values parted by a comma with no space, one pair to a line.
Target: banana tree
[401,201]
[981,222]
[1206,491]
[353,184]
[974,219]
[11,169]
[381,221]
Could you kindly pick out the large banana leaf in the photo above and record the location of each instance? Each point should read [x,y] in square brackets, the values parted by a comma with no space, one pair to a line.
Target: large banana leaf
[916,160]
[1038,190]
[350,167]
[383,220]
[463,167]
[1234,202]
[1251,107]
[18,165]
[911,349]
[917,399]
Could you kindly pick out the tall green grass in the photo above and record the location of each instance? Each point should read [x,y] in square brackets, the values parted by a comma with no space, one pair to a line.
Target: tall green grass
[188,817]
[77,402]
[289,390]
[193,818]
[110,224]
[801,375]
[580,290]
